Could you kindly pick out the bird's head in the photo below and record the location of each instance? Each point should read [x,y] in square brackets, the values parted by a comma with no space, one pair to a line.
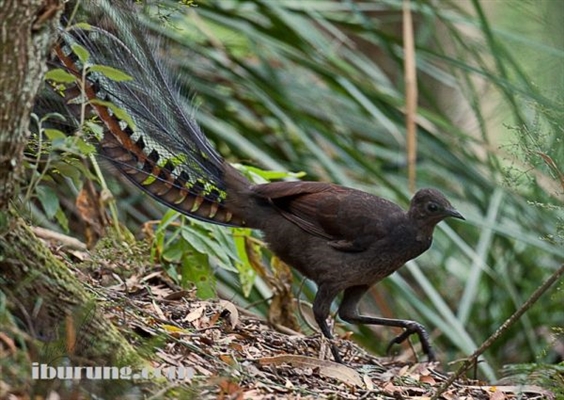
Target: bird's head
[429,207]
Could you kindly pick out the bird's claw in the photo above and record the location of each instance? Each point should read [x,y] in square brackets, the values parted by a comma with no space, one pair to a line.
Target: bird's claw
[410,329]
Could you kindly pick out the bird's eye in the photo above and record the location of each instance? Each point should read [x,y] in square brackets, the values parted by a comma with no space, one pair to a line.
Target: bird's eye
[432,207]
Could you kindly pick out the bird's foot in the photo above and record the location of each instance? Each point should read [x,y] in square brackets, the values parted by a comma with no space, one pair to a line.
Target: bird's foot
[412,327]
[336,354]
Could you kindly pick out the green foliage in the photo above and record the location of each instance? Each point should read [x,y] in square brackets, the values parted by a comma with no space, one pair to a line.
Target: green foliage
[81,53]
[53,154]
[59,75]
[191,250]
[110,73]
[548,376]
[536,169]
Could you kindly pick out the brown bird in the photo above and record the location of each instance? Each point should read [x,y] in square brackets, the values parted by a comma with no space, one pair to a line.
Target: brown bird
[343,239]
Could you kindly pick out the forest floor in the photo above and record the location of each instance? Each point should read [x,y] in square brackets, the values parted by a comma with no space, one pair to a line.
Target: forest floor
[225,352]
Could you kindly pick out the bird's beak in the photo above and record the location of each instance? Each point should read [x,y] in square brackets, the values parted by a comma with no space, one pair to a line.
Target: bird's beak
[451,212]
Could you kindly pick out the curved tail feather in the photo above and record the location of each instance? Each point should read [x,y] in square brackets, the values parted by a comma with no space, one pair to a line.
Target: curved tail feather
[148,134]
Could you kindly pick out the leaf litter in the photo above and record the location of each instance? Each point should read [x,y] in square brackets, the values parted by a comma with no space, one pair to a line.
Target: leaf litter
[236,355]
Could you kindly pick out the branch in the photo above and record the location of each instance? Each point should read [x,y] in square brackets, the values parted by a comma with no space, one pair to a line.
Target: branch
[470,361]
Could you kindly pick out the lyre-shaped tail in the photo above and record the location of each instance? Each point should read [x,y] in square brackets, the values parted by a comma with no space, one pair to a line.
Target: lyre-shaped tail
[148,134]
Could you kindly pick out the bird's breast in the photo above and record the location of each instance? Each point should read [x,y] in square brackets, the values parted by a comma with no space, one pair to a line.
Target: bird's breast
[389,254]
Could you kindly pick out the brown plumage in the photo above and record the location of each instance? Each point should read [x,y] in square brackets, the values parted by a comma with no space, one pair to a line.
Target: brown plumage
[344,239]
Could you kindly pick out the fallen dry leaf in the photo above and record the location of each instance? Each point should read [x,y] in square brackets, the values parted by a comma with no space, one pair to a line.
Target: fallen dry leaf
[391,388]
[180,294]
[498,395]
[233,313]
[368,382]
[227,359]
[158,311]
[230,390]
[194,315]
[173,330]
[90,208]
[427,379]
[404,370]
[329,369]
[516,390]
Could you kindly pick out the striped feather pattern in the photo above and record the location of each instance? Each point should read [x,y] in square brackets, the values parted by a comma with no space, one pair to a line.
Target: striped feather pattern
[148,135]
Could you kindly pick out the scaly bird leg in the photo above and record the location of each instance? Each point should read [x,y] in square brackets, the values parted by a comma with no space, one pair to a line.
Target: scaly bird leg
[348,311]
[321,309]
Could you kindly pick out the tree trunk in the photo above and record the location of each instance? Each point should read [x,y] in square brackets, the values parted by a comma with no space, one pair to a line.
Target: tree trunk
[59,315]
[28,28]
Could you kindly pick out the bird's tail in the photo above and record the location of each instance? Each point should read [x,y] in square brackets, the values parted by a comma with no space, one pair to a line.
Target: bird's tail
[148,134]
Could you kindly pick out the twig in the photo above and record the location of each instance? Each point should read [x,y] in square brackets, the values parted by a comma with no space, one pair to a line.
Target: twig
[65,240]
[300,311]
[410,78]
[500,331]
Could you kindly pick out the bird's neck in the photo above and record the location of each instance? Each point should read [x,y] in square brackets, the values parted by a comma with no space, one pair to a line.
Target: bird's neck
[424,228]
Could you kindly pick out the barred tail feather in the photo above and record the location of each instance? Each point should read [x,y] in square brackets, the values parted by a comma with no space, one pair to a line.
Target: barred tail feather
[199,201]
[148,135]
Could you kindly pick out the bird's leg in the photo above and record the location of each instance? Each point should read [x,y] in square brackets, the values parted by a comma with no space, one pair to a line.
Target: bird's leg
[348,311]
[410,327]
[321,309]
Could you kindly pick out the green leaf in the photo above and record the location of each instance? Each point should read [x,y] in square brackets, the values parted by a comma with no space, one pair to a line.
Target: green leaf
[168,218]
[84,147]
[59,75]
[62,220]
[119,112]
[226,239]
[247,273]
[160,241]
[53,116]
[172,272]
[54,134]
[68,170]
[49,200]
[272,175]
[80,52]
[174,252]
[96,129]
[198,235]
[82,25]
[111,73]
[196,269]
[194,239]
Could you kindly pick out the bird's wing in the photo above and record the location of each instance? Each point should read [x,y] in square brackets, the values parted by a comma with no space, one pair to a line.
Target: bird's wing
[349,219]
